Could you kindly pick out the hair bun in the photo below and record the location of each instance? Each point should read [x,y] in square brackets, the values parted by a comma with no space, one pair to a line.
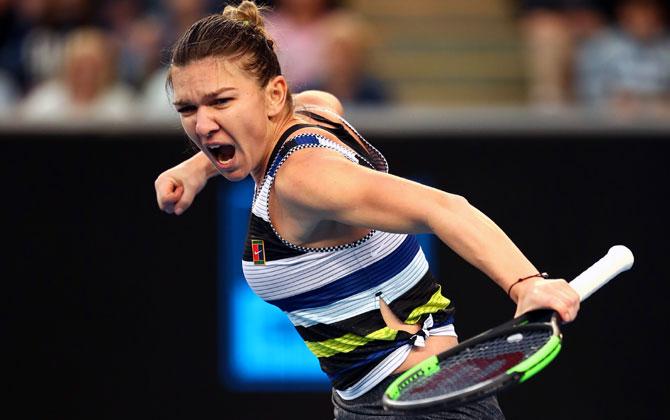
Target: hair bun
[247,13]
[237,31]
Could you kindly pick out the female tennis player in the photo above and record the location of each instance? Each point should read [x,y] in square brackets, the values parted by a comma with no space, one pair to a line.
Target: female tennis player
[331,233]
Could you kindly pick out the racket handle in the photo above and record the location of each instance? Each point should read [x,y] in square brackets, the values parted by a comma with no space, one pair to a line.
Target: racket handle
[618,259]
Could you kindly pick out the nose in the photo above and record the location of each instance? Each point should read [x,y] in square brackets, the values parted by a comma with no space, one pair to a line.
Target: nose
[205,125]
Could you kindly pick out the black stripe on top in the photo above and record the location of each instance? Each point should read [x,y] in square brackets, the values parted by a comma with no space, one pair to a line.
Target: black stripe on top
[340,132]
[274,248]
[280,143]
[371,321]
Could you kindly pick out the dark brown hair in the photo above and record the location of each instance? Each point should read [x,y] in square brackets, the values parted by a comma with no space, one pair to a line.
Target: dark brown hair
[238,33]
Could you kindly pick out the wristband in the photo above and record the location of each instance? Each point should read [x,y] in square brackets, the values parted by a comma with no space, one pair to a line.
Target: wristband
[543,275]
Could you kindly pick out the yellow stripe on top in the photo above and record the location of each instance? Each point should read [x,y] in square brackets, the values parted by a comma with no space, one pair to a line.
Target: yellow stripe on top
[349,342]
[436,303]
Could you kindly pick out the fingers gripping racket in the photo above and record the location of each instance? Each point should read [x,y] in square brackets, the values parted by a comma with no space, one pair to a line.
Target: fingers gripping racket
[498,358]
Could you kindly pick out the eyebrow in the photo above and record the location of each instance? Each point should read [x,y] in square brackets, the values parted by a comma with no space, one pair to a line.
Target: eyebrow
[206,96]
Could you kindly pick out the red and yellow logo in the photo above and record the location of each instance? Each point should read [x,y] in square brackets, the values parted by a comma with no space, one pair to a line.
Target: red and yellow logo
[258,251]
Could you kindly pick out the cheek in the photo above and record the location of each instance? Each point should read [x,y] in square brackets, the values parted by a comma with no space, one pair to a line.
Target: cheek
[257,130]
[188,124]
[252,121]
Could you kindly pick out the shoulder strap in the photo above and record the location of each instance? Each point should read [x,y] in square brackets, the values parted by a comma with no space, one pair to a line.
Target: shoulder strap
[336,128]
[292,129]
[366,151]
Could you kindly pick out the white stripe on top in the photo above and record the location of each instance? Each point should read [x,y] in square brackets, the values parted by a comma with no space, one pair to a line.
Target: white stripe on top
[366,300]
[292,276]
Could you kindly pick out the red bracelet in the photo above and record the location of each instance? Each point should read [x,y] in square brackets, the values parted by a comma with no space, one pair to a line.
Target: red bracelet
[543,275]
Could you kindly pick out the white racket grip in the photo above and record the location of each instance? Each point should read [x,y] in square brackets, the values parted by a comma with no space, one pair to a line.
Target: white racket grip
[618,259]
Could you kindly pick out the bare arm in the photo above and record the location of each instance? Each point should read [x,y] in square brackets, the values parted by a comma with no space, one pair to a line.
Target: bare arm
[318,185]
[320,99]
[177,187]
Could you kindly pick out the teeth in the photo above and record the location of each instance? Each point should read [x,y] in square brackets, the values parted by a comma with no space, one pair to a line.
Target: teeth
[214,146]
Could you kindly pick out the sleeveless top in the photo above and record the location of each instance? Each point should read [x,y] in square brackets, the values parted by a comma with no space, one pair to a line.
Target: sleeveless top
[331,294]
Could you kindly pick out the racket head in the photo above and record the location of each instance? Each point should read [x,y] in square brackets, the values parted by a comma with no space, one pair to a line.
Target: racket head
[479,367]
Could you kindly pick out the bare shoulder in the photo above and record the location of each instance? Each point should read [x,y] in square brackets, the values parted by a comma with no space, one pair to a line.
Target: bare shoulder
[301,179]
[311,164]
[319,98]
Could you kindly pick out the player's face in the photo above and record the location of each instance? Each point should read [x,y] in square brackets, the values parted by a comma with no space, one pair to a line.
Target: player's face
[224,112]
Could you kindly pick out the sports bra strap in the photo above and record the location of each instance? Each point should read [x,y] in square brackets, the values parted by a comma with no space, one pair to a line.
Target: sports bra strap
[292,129]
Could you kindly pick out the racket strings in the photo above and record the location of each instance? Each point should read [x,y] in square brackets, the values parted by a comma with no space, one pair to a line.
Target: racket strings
[477,364]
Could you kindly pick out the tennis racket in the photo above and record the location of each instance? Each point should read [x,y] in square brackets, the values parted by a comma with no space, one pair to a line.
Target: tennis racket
[500,357]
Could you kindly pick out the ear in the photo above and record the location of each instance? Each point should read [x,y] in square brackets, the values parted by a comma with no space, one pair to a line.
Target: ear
[276,92]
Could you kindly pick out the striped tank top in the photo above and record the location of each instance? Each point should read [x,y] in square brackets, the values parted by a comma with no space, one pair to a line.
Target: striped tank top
[331,295]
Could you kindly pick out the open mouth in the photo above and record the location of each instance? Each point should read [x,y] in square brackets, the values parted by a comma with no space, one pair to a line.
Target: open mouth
[222,152]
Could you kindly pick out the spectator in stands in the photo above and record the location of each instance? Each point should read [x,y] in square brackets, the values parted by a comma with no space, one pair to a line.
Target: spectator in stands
[345,73]
[17,23]
[551,29]
[141,51]
[51,22]
[177,16]
[9,93]
[8,40]
[628,65]
[8,85]
[324,45]
[300,28]
[138,37]
[87,89]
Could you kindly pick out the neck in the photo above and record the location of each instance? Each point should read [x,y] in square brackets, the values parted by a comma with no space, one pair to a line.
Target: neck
[274,133]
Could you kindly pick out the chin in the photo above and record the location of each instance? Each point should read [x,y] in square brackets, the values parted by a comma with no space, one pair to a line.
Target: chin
[234,176]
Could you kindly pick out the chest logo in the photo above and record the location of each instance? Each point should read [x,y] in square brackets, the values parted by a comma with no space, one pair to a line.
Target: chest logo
[258,251]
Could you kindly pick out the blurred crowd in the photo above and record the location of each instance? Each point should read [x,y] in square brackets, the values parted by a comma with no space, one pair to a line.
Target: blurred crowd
[106,59]
[598,54]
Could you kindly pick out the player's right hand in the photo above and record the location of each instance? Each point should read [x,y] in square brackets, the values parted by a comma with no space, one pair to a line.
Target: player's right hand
[176,189]
[555,294]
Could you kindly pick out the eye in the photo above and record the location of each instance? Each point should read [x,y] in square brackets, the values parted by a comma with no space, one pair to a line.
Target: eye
[221,101]
[186,109]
